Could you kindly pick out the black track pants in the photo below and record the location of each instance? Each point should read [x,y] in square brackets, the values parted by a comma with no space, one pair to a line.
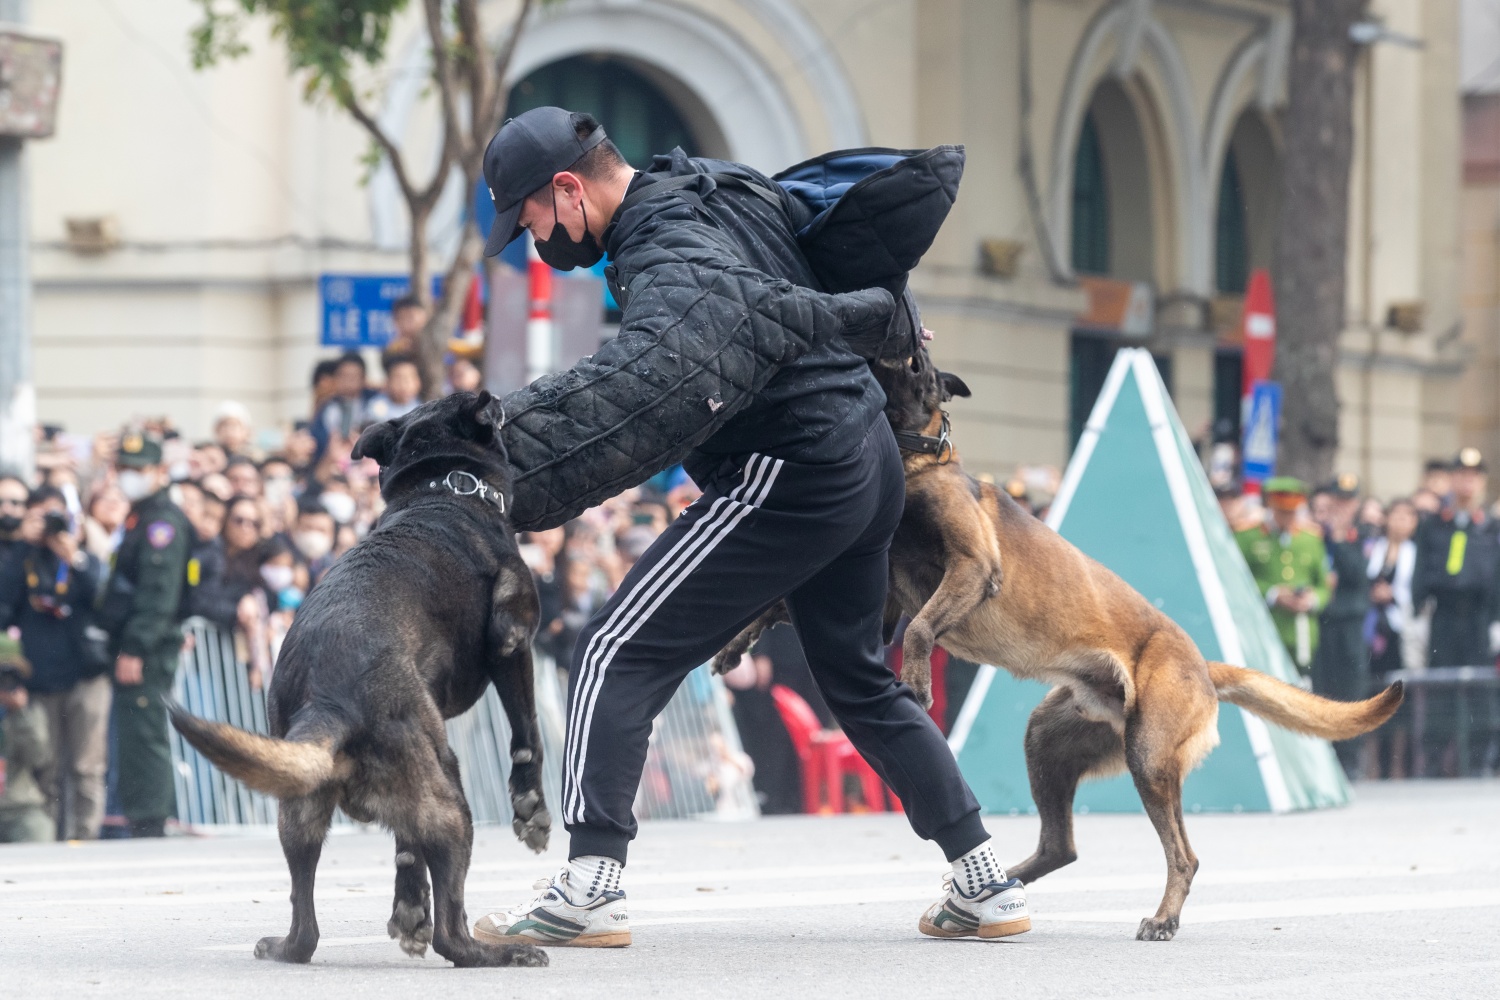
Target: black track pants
[763,530]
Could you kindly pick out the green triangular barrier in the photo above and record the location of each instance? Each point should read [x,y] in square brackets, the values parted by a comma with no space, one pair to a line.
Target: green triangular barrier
[1135,498]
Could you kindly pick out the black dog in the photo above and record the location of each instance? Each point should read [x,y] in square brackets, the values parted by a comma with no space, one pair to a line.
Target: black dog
[406,630]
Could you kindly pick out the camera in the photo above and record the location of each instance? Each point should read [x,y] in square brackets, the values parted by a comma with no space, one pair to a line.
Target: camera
[56,523]
[12,678]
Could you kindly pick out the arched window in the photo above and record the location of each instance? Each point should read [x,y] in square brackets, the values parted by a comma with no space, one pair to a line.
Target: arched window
[1090,203]
[1232,244]
[639,117]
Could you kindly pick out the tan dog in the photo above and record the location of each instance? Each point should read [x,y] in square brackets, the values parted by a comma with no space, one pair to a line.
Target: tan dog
[1130,688]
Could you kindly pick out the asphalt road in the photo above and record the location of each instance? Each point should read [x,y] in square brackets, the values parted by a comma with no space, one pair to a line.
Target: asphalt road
[1396,896]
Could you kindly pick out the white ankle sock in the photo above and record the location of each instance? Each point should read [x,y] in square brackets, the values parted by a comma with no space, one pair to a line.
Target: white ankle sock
[977,869]
[594,874]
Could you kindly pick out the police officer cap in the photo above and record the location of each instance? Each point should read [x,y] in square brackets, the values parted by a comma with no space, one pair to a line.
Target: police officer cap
[1285,484]
[1469,458]
[138,450]
[1345,486]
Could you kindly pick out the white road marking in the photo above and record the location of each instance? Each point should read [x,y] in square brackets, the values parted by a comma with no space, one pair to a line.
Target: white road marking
[370,877]
[1328,906]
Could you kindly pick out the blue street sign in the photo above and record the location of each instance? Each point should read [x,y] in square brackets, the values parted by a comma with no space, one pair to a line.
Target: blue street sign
[1262,418]
[357,307]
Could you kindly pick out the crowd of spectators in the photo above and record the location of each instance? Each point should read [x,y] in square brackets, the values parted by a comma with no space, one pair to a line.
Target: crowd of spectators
[272,510]
[1412,589]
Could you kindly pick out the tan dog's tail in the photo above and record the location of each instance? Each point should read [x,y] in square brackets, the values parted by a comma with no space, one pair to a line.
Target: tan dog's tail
[283,768]
[1301,711]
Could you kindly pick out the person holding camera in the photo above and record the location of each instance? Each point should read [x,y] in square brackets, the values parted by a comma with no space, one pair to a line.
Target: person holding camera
[25,752]
[47,590]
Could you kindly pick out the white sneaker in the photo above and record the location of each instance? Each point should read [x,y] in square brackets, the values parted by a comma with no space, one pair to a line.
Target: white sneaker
[997,910]
[560,917]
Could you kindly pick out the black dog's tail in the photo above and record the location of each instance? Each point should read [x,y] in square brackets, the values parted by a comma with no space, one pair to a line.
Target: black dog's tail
[283,768]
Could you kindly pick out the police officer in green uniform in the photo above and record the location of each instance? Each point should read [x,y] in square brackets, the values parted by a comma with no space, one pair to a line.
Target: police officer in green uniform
[1290,565]
[140,612]
[1341,665]
[1458,559]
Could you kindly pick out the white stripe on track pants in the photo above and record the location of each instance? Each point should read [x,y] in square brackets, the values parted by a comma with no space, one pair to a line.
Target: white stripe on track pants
[765,528]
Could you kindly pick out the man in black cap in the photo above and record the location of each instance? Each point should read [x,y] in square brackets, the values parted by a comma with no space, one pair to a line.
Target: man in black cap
[803,488]
[139,610]
[1458,557]
[1340,668]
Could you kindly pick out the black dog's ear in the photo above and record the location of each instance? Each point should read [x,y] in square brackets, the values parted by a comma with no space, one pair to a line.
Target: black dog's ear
[953,386]
[488,411]
[378,442]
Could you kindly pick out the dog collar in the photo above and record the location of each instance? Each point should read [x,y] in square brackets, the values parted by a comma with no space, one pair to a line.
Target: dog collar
[466,484]
[926,444]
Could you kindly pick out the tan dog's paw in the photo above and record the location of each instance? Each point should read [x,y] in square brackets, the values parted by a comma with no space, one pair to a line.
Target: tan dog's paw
[920,682]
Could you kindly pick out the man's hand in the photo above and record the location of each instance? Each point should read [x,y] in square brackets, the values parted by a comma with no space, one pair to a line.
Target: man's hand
[63,545]
[1381,593]
[1295,602]
[129,670]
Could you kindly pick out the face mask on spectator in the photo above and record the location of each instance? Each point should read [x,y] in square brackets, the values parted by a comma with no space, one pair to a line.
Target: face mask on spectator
[340,505]
[134,484]
[9,523]
[313,544]
[278,578]
[277,489]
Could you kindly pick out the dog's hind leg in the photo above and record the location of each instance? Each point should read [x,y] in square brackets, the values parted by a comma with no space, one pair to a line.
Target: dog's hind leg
[302,823]
[411,913]
[1163,741]
[729,657]
[1062,747]
[447,837]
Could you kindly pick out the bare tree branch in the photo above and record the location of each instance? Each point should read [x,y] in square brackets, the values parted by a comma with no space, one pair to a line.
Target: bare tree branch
[476,66]
[346,97]
[489,123]
[442,71]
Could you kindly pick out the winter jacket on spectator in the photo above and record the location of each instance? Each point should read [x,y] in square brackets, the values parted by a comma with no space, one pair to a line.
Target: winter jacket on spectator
[52,605]
[209,593]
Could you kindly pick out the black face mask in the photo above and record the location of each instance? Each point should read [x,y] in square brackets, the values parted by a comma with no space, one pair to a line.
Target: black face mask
[9,523]
[563,252]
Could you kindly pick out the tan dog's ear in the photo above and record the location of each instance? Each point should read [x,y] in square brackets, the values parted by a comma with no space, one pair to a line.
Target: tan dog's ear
[378,442]
[953,386]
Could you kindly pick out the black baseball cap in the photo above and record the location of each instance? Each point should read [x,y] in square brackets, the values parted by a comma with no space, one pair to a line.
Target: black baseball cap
[522,158]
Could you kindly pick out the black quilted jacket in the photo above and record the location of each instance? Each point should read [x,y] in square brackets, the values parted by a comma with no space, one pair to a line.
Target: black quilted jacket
[725,348]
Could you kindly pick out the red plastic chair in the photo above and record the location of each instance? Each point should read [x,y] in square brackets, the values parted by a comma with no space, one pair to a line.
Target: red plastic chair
[826,756]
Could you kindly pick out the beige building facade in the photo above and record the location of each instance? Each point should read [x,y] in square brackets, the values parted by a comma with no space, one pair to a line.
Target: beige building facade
[1101,138]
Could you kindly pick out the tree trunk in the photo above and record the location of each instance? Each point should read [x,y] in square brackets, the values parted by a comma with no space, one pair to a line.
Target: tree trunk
[429,354]
[1312,244]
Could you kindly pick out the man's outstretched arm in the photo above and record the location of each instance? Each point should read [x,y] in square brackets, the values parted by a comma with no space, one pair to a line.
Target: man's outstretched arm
[700,336]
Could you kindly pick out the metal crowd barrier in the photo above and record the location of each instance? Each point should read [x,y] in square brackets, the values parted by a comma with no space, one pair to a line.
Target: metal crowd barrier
[1457,703]
[695,765]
